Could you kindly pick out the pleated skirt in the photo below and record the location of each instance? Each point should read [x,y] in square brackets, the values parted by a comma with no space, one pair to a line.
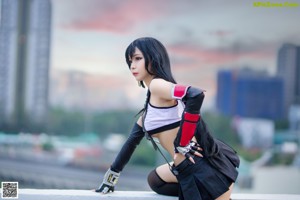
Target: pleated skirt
[200,181]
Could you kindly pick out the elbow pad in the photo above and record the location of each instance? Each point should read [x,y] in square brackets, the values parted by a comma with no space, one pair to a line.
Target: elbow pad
[128,148]
[193,99]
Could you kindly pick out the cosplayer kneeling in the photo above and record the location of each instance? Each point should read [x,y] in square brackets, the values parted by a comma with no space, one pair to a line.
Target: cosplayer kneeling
[204,168]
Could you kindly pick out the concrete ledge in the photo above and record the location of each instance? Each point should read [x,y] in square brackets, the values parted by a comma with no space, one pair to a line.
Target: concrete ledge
[54,194]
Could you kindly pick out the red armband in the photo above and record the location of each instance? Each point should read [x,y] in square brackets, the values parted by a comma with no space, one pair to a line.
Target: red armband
[179,91]
[188,128]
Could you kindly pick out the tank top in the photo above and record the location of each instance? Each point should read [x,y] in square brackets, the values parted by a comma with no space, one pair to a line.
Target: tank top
[160,119]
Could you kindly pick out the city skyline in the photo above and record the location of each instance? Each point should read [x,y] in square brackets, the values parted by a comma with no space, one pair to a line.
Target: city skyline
[201,37]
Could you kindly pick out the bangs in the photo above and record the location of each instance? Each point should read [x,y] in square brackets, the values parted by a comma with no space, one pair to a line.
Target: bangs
[129,52]
[157,61]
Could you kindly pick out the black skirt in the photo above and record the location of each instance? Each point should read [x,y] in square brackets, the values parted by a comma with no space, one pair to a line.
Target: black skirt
[200,181]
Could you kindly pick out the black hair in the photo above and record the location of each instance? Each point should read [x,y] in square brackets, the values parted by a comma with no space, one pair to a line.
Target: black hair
[205,139]
[157,60]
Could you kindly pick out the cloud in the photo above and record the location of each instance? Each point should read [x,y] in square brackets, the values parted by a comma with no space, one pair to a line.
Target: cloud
[114,16]
[193,54]
[221,33]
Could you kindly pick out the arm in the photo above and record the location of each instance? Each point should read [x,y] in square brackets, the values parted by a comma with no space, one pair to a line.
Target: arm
[193,99]
[112,175]
[128,148]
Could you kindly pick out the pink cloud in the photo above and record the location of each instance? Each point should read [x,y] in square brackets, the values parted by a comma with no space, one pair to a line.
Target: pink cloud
[112,16]
[193,54]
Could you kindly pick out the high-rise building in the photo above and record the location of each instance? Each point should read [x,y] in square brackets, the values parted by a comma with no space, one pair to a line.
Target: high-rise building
[25,33]
[288,67]
[0,11]
[8,47]
[246,93]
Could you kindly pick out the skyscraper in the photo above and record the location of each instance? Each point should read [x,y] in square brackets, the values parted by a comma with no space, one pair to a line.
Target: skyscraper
[288,67]
[25,33]
[247,93]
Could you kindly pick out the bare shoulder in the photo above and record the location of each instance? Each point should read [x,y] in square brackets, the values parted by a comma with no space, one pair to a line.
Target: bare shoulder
[161,88]
[158,83]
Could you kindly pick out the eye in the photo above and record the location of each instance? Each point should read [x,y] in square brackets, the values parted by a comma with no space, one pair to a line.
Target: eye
[138,58]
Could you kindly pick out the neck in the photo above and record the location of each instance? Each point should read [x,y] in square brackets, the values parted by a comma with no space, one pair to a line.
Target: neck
[148,80]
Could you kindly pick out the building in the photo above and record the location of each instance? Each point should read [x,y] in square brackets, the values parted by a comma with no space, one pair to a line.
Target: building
[8,46]
[288,67]
[247,93]
[25,33]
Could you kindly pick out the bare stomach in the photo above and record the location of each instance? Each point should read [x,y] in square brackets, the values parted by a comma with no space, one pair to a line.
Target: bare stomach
[166,139]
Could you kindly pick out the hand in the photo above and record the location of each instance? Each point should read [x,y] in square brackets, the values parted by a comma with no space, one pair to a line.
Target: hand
[192,148]
[109,181]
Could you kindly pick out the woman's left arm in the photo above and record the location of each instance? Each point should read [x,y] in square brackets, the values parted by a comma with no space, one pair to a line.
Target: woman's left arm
[193,98]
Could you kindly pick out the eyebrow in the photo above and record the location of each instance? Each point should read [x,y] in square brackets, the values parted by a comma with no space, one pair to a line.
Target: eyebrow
[136,54]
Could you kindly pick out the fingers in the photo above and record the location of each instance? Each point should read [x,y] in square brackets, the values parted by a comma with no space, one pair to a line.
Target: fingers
[192,160]
[196,153]
[100,189]
[104,189]
[190,150]
[196,146]
[189,156]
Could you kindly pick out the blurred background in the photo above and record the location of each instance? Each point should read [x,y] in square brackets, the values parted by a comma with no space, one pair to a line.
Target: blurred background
[68,100]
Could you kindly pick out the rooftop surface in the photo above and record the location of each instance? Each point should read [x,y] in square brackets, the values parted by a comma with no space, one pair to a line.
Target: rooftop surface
[54,194]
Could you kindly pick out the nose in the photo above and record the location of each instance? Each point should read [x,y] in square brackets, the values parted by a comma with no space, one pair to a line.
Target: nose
[132,66]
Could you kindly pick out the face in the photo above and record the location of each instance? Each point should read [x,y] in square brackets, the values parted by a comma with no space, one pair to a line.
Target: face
[137,66]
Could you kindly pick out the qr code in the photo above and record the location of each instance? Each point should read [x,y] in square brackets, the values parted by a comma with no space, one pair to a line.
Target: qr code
[9,190]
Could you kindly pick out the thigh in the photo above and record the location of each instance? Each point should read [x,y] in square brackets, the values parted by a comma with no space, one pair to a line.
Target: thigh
[165,174]
[226,195]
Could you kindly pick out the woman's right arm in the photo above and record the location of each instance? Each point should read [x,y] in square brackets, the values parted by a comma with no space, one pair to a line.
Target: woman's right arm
[112,175]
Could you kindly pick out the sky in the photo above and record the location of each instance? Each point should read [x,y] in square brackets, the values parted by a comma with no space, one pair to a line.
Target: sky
[201,36]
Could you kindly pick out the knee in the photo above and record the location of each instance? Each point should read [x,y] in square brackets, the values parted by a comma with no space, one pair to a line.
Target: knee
[154,181]
[160,186]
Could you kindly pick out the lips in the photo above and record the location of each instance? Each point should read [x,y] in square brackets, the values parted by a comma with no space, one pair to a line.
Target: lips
[135,74]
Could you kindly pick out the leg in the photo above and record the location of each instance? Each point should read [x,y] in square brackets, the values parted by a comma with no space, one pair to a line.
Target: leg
[226,195]
[164,172]
[160,185]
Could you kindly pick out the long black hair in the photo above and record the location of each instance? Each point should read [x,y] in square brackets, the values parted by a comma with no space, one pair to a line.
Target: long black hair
[157,60]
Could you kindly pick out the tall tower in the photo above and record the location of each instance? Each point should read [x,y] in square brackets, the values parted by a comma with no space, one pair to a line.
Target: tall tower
[25,33]
[8,61]
[288,67]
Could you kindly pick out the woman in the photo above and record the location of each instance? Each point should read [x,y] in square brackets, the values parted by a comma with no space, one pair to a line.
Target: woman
[172,115]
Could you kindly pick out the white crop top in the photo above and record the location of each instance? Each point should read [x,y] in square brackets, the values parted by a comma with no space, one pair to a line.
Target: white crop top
[160,119]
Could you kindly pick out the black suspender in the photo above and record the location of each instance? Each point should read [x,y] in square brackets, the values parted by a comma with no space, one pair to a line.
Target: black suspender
[149,137]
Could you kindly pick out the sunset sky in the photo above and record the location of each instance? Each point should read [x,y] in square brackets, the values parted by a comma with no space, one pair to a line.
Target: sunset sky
[201,36]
